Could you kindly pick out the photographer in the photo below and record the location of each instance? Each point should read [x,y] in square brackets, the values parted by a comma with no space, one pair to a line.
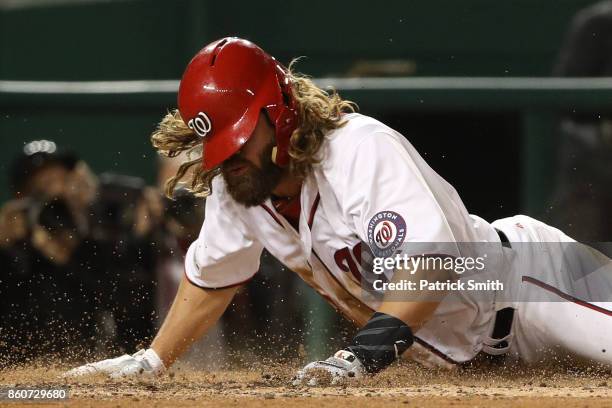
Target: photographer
[79,249]
[47,307]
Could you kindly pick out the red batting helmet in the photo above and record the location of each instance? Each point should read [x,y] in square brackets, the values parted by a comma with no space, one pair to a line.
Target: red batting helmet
[222,92]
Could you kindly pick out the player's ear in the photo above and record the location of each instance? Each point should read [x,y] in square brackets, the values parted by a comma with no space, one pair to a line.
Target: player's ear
[274,153]
[275,148]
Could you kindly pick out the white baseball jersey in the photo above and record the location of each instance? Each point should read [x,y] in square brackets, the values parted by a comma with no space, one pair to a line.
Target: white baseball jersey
[369,178]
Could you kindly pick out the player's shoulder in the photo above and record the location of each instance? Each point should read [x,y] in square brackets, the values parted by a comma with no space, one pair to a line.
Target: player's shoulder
[358,132]
[596,15]
[356,129]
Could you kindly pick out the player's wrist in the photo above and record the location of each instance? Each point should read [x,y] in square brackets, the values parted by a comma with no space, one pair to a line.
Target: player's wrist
[380,342]
[154,362]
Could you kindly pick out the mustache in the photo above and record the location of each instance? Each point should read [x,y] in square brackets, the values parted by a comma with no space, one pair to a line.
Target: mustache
[248,183]
[236,161]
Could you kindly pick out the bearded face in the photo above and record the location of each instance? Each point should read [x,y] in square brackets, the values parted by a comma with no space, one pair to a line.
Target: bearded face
[248,184]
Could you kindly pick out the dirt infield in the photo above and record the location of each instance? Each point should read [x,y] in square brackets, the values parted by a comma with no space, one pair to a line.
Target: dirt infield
[401,385]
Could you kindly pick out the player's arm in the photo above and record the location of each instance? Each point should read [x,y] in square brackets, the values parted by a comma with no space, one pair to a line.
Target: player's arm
[216,264]
[388,197]
[387,334]
[194,311]
[413,309]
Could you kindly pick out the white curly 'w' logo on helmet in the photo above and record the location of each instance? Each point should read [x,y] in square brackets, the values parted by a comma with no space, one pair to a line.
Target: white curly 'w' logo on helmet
[200,124]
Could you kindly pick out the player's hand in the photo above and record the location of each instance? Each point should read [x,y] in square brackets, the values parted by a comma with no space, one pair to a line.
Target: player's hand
[339,368]
[144,363]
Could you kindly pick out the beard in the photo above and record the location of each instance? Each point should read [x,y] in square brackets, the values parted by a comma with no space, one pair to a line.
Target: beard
[254,185]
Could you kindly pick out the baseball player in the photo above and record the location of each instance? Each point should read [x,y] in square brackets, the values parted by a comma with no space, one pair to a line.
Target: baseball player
[291,168]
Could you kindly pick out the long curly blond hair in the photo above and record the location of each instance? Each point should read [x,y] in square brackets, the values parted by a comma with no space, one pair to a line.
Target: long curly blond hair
[319,111]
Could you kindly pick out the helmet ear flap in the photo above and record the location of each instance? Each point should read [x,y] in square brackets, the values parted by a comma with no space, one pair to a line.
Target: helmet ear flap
[284,125]
[285,118]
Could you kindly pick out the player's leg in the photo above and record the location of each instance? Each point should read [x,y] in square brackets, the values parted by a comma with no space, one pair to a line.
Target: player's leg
[562,331]
[564,307]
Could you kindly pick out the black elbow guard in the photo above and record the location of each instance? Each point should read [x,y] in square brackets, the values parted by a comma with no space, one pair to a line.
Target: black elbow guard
[381,341]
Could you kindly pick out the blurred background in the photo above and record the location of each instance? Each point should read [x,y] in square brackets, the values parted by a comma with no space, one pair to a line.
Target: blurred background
[508,100]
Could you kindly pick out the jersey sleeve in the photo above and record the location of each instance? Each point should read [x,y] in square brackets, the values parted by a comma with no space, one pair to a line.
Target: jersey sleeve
[387,202]
[224,254]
